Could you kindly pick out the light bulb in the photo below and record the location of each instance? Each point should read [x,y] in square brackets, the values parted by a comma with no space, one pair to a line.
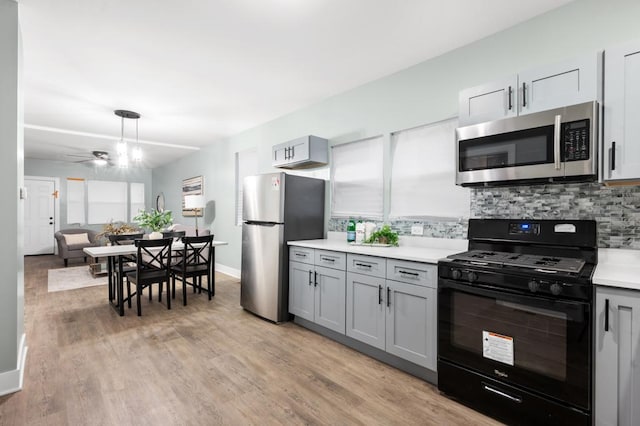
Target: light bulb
[137,154]
[122,148]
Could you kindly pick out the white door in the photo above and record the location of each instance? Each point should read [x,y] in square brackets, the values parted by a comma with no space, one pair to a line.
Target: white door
[39,212]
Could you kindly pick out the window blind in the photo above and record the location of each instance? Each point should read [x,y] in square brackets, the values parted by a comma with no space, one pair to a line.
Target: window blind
[137,199]
[246,165]
[107,201]
[357,179]
[75,201]
[423,174]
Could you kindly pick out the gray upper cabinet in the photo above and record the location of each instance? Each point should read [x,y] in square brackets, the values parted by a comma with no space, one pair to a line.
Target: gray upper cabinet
[304,152]
[621,144]
[617,381]
[565,83]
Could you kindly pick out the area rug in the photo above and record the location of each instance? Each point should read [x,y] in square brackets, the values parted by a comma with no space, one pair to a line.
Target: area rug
[73,278]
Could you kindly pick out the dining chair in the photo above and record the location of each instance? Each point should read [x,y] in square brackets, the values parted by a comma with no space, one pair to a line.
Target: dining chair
[152,267]
[196,263]
[127,261]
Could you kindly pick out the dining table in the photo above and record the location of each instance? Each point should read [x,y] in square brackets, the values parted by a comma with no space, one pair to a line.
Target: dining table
[116,286]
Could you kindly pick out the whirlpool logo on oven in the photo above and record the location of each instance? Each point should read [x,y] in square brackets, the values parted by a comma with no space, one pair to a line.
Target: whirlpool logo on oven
[500,373]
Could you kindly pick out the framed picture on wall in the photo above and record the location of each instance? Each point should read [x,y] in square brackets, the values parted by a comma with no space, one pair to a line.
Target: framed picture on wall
[192,186]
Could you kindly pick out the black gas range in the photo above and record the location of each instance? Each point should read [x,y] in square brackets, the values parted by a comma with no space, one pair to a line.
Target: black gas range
[514,320]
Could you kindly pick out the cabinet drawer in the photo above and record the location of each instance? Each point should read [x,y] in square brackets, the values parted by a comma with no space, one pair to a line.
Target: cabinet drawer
[367,265]
[301,254]
[412,272]
[331,259]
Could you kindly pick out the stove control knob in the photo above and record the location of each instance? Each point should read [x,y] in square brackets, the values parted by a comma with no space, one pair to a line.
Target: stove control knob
[456,274]
[556,289]
[534,286]
[472,277]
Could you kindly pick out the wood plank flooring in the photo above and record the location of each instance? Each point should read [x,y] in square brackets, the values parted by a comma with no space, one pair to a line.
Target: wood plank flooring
[207,363]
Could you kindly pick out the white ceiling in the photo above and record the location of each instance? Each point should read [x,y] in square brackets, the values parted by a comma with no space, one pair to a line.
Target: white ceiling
[201,70]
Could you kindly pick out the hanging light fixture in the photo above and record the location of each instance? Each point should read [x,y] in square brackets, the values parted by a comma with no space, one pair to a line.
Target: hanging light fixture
[122,149]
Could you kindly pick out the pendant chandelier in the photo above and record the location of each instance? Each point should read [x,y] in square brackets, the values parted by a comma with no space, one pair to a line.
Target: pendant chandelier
[122,148]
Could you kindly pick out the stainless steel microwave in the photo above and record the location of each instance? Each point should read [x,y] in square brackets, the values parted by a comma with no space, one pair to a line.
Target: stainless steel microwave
[555,145]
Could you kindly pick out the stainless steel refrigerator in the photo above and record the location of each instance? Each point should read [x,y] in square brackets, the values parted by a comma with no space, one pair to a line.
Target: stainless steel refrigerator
[277,208]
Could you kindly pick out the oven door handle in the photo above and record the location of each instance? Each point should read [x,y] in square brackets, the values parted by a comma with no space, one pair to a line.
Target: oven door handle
[501,393]
[575,310]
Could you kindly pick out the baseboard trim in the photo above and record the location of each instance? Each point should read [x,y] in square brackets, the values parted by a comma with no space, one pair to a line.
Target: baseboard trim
[235,273]
[11,381]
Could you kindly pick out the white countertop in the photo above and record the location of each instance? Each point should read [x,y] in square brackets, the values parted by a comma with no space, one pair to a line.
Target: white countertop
[417,249]
[618,268]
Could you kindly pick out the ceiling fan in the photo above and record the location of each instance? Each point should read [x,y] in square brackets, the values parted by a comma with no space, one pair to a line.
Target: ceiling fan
[98,158]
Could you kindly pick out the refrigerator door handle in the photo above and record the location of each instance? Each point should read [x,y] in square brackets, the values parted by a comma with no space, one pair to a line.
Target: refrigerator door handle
[258,223]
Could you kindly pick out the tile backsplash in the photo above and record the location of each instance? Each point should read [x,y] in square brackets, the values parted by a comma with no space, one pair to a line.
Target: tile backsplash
[616,209]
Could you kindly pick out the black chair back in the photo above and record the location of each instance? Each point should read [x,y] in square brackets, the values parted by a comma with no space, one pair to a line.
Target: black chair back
[197,251]
[176,235]
[153,258]
[124,239]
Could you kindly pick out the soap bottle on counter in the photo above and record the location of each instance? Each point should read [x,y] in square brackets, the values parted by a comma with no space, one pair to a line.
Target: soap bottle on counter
[360,228]
[351,231]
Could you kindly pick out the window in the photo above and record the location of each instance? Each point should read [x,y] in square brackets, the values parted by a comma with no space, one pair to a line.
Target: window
[75,201]
[137,199]
[357,179]
[246,165]
[107,201]
[423,173]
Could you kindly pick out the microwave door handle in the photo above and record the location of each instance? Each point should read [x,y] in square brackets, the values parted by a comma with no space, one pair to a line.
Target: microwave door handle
[556,141]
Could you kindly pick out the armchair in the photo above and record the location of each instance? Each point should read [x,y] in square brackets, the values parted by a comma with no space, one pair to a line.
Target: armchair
[71,242]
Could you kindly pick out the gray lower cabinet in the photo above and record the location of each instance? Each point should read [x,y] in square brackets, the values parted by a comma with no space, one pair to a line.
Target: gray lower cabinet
[366,309]
[410,323]
[617,381]
[317,293]
[396,315]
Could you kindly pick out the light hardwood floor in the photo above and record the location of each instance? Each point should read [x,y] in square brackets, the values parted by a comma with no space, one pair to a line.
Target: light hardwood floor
[204,364]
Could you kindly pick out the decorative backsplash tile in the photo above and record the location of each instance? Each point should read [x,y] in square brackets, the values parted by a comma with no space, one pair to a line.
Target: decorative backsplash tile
[616,209]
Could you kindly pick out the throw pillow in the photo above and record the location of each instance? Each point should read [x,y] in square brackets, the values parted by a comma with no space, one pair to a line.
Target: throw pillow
[72,239]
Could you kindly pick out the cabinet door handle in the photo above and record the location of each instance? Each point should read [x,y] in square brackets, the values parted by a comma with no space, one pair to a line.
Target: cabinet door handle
[315,279]
[363,265]
[510,93]
[310,271]
[613,155]
[524,95]
[388,296]
[379,295]
[413,274]
[301,254]
[327,259]
[293,152]
[606,315]
[556,141]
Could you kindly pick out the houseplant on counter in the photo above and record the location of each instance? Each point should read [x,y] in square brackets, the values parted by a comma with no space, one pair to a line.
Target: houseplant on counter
[154,220]
[384,236]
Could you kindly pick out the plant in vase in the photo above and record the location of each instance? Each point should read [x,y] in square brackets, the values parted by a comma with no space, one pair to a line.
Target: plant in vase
[154,220]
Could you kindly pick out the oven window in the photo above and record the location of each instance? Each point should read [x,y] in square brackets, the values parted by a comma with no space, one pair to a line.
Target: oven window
[521,148]
[539,335]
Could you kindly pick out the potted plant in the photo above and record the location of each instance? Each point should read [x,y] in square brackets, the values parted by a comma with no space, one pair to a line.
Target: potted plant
[116,228]
[384,236]
[154,220]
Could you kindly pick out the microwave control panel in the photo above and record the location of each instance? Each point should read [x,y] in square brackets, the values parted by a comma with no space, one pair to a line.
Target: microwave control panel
[576,140]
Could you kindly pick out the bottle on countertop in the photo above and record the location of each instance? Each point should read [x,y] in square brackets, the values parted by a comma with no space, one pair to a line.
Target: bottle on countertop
[351,231]
[360,228]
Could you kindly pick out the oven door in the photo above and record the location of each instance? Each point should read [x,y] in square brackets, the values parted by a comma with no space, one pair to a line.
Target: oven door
[536,343]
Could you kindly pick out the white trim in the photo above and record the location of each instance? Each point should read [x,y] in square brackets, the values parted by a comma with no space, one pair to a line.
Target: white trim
[11,381]
[233,272]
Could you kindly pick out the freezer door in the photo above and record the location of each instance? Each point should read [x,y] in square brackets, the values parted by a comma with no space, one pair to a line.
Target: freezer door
[263,288]
[263,198]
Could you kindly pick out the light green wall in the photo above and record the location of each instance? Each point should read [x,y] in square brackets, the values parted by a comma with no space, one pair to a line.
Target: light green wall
[64,170]
[11,257]
[424,93]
